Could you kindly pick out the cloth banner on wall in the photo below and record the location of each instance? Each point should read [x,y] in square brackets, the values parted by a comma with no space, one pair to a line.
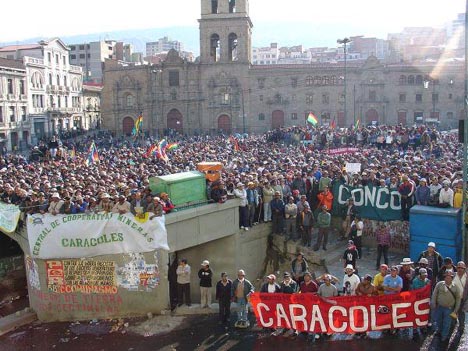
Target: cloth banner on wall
[379,203]
[9,217]
[94,234]
[344,314]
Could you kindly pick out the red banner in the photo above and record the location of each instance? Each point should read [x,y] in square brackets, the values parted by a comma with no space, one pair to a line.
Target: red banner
[343,314]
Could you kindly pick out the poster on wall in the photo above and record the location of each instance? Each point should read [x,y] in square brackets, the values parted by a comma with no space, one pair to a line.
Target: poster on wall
[93,234]
[137,274]
[84,276]
[32,273]
[9,217]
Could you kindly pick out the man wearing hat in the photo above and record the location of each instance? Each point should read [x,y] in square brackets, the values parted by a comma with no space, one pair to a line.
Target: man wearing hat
[288,286]
[448,266]
[406,190]
[270,286]
[406,272]
[205,274]
[350,281]
[446,195]
[55,204]
[423,193]
[350,255]
[435,260]
[241,194]
[268,193]
[122,206]
[445,302]
[423,263]
[290,214]
[241,290]
[224,296]
[460,280]
[252,202]
[365,287]
[420,280]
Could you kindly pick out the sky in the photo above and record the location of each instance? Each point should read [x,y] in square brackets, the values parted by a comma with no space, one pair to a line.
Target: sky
[50,18]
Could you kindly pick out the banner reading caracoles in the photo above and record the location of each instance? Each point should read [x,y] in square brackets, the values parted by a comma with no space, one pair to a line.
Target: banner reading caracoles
[344,314]
[94,234]
[372,202]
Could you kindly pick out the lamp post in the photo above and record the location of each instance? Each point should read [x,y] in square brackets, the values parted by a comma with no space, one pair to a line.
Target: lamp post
[344,42]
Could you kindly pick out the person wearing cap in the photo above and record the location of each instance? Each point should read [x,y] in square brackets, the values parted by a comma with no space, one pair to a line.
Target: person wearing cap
[420,280]
[365,287]
[446,195]
[435,260]
[105,205]
[423,193]
[55,204]
[122,206]
[183,283]
[270,286]
[406,190]
[224,296]
[241,290]
[241,194]
[406,272]
[323,225]
[423,263]
[447,266]
[288,286]
[155,207]
[277,211]
[268,192]
[350,255]
[392,282]
[460,280]
[205,274]
[350,281]
[379,279]
[445,302]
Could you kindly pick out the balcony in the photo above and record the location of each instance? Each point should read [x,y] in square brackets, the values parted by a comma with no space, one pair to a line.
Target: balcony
[33,61]
[75,69]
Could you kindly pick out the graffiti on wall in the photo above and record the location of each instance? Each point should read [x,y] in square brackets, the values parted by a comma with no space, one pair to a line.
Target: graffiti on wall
[32,273]
[399,231]
[63,303]
[137,274]
[84,276]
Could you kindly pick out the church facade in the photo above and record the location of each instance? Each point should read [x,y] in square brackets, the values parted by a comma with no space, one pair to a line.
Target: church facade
[223,91]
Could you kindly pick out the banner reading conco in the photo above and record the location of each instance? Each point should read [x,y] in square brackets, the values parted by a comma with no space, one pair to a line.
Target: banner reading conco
[94,234]
[345,314]
[379,203]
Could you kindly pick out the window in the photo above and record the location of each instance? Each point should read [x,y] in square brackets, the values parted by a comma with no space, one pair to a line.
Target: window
[418,97]
[89,55]
[449,115]
[73,57]
[309,81]
[82,56]
[410,80]
[50,79]
[372,96]
[51,101]
[81,47]
[293,97]
[214,6]
[450,96]
[402,98]
[129,100]
[232,44]
[232,6]
[419,80]
[1,114]
[12,114]
[215,48]
[309,99]
[10,86]
[261,117]
[402,80]
[23,113]
[58,79]
[21,87]
[317,80]
[66,100]
[325,80]
[65,81]
[173,78]
[261,83]
[325,99]
[294,116]
[294,82]
[88,46]
[173,95]
[72,48]
[435,97]
[333,80]
[49,57]
[261,97]
[434,114]
[57,59]
[59,101]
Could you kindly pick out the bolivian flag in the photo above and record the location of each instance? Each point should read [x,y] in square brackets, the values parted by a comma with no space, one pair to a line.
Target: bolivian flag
[312,119]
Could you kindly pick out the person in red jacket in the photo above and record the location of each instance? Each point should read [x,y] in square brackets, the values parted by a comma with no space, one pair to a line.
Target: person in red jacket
[168,206]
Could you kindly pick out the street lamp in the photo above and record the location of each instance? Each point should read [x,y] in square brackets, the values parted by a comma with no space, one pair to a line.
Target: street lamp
[344,42]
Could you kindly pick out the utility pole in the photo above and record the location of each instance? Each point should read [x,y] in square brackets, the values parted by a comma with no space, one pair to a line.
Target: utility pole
[344,42]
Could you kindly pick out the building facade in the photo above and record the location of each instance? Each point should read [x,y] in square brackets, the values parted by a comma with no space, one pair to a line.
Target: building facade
[54,87]
[14,125]
[163,45]
[223,91]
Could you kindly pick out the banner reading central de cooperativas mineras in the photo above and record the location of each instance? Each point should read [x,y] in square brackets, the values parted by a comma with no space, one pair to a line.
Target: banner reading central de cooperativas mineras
[94,234]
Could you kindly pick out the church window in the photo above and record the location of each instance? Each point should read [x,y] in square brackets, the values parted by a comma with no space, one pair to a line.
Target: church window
[232,47]
[232,6]
[215,48]
[214,6]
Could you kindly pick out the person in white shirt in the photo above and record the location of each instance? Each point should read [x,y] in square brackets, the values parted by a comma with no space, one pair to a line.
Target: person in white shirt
[122,206]
[241,194]
[55,204]
[350,281]
[460,281]
[446,195]
[356,228]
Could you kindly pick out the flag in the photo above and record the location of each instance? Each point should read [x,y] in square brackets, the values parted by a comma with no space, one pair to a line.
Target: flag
[312,119]
[161,150]
[138,125]
[172,146]
[93,155]
[235,143]
[151,150]
[333,124]
[72,153]
[356,124]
